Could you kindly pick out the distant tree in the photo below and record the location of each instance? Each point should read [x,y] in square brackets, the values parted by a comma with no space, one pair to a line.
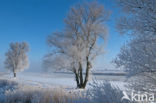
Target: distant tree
[16,57]
[82,39]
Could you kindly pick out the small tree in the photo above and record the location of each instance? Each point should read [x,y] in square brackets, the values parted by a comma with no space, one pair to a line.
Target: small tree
[75,47]
[16,57]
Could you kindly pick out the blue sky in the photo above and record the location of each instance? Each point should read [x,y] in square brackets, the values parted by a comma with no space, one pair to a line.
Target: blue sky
[33,20]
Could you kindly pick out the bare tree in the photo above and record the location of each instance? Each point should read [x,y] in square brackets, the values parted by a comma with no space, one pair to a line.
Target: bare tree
[16,57]
[82,39]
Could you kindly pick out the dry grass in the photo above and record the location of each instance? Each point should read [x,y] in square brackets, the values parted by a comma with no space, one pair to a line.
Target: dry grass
[12,92]
[39,95]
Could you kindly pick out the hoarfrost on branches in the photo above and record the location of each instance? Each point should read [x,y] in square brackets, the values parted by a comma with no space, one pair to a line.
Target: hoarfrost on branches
[16,57]
[75,47]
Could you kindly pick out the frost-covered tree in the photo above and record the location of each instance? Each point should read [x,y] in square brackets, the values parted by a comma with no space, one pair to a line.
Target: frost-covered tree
[16,57]
[138,57]
[83,38]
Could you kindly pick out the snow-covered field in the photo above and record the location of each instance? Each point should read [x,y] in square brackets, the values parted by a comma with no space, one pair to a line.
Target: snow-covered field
[63,80]
[59,88]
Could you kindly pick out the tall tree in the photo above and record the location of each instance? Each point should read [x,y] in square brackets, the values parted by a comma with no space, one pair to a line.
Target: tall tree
[83,38]
[16,57]
[138,56]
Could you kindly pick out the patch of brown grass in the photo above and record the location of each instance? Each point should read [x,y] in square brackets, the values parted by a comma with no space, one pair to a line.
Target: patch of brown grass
[39,95]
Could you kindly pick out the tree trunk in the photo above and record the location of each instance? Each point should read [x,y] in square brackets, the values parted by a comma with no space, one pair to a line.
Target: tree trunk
[81,74]
[77,79]
[86,77]
[87,73]
[14,74]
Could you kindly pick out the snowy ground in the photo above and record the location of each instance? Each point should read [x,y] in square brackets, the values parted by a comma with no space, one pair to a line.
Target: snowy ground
[63,80]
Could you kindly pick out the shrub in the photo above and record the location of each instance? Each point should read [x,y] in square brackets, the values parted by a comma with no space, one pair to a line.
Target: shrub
[104,92]
[6,86]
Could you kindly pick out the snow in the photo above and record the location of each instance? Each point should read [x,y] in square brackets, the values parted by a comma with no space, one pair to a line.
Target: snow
[63,80]
[40,86]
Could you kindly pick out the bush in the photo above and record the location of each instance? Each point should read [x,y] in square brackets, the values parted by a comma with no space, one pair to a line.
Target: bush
[6,86]
[104,92]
